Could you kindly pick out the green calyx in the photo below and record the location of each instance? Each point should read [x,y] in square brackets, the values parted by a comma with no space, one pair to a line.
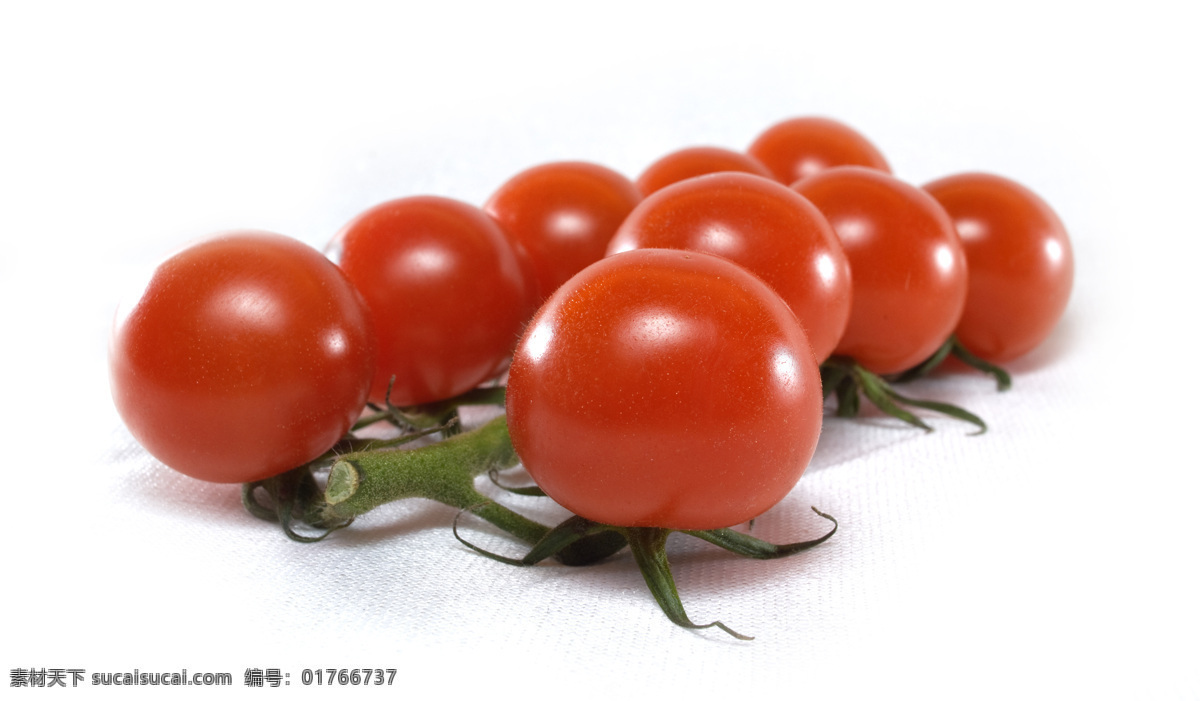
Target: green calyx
[954,347]
[648,546]
[847,380]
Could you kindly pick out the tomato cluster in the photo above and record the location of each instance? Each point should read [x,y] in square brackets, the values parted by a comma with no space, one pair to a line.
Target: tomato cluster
[663,346]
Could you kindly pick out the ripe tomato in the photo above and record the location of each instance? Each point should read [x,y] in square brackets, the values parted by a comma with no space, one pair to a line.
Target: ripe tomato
[247,355]
[763,226]
[693,161]
[445,289]
[907,264]
[802,146]
[1021,263]
[561,216]
[665,388]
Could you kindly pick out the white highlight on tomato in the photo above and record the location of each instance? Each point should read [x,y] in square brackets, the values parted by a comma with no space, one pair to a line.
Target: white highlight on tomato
[944,258]
[1054,251]
[785,367]
[538,341]
[826,268]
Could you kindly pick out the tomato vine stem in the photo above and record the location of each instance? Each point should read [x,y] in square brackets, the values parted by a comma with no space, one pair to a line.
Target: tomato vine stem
[362,480]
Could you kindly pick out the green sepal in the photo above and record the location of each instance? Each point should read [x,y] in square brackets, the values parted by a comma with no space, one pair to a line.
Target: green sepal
[756,548]
[852,380]
[931,363]
[950,410]
[574,542]
[649,547]
[1003,379]
[440,413]
[292,496]
[530,491]
[832,376]
[954,347]
[848,404]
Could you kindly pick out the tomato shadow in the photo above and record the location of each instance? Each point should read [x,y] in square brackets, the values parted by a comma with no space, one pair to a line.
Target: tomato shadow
[391,521]
[845,440]
[1061,342]
[141,478]
[162,491]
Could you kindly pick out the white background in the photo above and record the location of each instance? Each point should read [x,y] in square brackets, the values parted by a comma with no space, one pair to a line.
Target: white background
[1054,557]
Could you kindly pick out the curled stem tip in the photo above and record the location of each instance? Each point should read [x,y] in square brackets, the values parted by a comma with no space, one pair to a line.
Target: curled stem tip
[748,546]
[649,550]
[532,491]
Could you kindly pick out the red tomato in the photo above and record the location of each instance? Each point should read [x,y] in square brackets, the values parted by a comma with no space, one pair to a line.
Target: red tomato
[665,388]
[1021,263]
[561,216]
[908,267]
[797,148]
[693,161]
[247,355]
[762,226]
[445,289]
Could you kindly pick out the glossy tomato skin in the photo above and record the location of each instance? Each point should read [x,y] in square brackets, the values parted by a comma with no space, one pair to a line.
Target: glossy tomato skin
[247,354]
[445,290]
[763,226]
[665,388]
[561,215]
[802,146]
[1021,262]
[908,265]
[695,161]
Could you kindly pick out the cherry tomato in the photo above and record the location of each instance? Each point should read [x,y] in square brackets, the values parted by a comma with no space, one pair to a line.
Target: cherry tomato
[763,226]
[802,146]
[445,289]
[247,355]
[561,216]
[908,267]
[693,161]
[665,388]
[1020,259]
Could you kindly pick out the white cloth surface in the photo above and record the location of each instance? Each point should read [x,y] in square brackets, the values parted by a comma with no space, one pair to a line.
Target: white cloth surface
[1053,557]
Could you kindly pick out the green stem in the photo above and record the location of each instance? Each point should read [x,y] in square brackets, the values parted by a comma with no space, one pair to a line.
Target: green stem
[444,472]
